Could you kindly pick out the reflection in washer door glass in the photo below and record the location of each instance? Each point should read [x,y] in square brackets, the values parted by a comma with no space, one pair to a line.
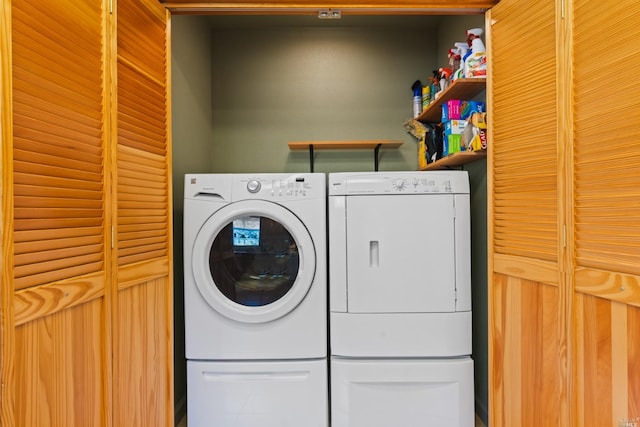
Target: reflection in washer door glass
[254,261]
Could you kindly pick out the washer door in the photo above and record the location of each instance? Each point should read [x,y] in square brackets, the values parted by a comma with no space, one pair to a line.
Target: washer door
[253,261]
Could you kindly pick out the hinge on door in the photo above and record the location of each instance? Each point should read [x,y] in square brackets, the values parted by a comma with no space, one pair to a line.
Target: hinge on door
[111,7]
[564,236]
[113,237]
[562,5]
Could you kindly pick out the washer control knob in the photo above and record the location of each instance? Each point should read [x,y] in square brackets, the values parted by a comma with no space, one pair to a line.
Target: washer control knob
[253,186]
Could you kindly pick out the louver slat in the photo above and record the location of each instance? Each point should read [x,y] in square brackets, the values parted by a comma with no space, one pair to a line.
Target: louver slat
[606,154]
[58,141]
[524,121]
[143,195]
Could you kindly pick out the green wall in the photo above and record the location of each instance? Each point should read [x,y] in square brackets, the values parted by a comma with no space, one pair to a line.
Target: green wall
[191,138]
[292,82]
[451,30]
[245,86]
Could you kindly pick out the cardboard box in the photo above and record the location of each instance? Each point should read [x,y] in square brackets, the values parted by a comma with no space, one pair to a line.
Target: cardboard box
[453,142]
[479,141]
[451,110]
[467,108]
[477,132]
[454,127]
[455,109]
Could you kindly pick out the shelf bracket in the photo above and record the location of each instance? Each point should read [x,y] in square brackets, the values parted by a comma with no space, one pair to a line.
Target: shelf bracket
[311,157]
[367,144]
[376,156]
[376,152]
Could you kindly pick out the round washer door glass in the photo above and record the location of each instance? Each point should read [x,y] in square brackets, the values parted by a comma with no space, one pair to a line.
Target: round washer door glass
[254,261]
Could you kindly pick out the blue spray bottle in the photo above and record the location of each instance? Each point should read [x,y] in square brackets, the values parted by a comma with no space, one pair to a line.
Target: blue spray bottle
[417,98]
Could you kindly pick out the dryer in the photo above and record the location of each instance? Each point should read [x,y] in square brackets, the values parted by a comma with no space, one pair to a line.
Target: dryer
[255,299]
[400,299]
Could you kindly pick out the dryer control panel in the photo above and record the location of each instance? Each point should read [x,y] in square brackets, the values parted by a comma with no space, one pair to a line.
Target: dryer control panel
[450,182]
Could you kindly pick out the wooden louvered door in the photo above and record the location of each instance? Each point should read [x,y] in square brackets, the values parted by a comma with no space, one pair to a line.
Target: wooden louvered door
[143,303]
[55,304]
[605,234]
[565,246]
[527,294]
[86,298]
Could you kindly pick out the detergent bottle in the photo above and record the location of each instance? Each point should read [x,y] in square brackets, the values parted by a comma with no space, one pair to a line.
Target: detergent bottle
[476,63]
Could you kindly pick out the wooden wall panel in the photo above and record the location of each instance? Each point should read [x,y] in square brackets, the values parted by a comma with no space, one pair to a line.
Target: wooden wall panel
[607,375]
[525,348]
[60,369]
[633,357]
[141,375]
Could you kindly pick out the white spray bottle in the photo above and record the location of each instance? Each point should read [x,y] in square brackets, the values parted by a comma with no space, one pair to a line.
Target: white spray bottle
[476,63]
[462,49]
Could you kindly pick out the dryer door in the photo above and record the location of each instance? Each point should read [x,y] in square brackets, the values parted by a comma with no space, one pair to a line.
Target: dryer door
[401,254]
[253,261]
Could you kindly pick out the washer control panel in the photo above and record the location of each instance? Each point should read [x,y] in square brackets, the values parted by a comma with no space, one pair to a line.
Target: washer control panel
[280,187]
[266,186]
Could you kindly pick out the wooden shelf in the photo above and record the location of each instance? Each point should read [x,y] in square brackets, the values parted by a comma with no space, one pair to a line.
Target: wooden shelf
[365,144]
[456,159]
[344,145]
[463,89]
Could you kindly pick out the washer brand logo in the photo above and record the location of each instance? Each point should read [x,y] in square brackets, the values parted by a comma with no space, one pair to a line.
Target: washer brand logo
[193,180]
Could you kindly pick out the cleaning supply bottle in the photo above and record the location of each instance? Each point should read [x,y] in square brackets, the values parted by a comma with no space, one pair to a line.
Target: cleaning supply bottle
[434,83]
[476,63]
[445,78]
[417,98]
[463,50]
[473,36]
[426,96]
[454,59]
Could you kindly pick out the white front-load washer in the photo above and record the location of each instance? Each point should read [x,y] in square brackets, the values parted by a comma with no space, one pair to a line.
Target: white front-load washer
[255,293]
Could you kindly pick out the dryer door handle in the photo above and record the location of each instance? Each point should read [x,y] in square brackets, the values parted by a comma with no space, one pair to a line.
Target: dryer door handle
[374,253]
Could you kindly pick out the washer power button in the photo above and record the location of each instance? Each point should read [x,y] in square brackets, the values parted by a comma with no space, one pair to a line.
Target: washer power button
[253,186]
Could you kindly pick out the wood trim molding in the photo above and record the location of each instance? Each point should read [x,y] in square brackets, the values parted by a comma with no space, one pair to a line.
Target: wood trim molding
[609,285]
[7,326]
[142,272]
[40,301]
[526,268]
[353,7]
